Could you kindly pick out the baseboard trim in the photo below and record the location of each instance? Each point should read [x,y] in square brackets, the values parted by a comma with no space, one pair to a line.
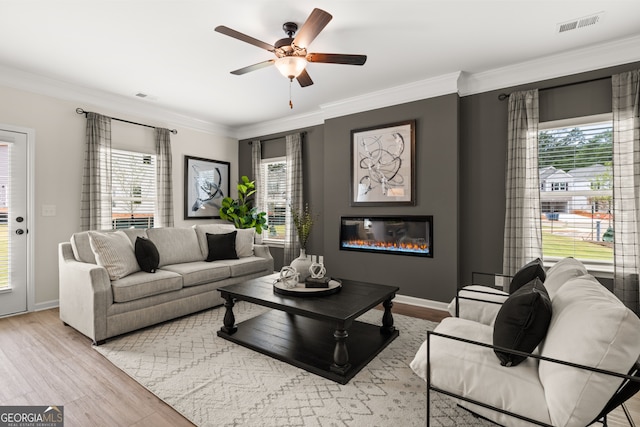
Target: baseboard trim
[46,305]
[420,302]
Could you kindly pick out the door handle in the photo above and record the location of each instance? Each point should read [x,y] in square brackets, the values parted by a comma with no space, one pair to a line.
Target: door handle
[19,231]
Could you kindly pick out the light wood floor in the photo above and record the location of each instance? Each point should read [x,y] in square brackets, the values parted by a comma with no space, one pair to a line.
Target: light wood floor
[43,362]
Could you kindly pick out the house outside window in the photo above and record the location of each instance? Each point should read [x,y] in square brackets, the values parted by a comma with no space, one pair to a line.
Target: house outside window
[133,183]
[576,193]
[274,176]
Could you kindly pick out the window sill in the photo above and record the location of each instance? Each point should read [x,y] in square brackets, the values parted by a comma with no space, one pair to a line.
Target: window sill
[273,243]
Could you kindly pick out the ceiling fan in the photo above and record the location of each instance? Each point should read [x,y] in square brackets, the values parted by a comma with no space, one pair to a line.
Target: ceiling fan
[291,53]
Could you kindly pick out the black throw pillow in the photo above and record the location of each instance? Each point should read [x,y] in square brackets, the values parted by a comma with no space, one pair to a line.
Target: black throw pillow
[147,255]
[522,322]
[526,274]
[221,246]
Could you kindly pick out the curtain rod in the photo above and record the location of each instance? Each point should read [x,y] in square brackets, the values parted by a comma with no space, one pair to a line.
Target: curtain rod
[81,111]
[277,137]
[504,96]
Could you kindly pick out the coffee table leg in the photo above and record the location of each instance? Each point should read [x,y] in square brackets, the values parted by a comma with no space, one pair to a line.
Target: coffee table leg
[229,326]
[387,318]
[340,363]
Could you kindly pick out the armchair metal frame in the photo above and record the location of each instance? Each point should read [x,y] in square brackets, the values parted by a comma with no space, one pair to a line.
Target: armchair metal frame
[474,274]
[629,387]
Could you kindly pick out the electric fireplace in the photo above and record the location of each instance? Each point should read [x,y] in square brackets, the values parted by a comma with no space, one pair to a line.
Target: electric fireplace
[400,235]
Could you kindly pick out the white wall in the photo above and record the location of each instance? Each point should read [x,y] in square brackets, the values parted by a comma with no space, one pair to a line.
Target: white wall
[59,151]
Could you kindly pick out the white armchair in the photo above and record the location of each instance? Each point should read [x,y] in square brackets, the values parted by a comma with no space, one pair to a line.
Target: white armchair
[586,363]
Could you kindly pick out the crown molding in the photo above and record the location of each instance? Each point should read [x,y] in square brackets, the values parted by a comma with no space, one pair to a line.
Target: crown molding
[91,98]
[271,127]
[415,91]
[575,61]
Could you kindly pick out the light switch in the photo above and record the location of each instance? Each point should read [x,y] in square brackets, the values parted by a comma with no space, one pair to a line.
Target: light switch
[48,210]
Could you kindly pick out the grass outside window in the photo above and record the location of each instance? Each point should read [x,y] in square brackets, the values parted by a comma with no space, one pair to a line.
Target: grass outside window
[555,245]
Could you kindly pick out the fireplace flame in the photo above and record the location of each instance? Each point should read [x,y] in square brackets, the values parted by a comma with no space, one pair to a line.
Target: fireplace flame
[402,246]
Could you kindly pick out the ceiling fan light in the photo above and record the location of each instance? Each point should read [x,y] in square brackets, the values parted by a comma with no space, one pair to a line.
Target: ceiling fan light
[291,66]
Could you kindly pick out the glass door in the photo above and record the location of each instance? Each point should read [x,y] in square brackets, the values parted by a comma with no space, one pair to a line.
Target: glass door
[13,222]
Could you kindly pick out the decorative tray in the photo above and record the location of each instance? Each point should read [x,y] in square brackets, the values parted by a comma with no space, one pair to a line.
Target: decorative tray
[301,291]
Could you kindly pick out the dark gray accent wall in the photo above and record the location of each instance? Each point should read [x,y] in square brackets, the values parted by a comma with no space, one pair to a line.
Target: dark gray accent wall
[436,194]
[460,157]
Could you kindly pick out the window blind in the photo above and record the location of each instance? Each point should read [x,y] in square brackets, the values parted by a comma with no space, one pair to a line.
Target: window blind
[576,192]
[133,181]
[274,176]
[5,242]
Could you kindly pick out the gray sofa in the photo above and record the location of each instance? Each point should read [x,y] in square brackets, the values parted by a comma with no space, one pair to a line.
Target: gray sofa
[101,304]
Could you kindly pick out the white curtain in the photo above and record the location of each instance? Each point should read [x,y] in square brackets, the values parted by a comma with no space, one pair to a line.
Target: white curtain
[626,186]
[256,169]
[523,224]
[96,197]
[164,188]
[294,192]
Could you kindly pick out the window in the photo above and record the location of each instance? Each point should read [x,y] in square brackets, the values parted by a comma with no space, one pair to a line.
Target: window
[133,182]
[576,193]
[274,176]
[559,186]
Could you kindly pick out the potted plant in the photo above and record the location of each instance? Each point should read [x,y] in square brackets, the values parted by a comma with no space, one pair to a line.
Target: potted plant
[303,221]
[241,211]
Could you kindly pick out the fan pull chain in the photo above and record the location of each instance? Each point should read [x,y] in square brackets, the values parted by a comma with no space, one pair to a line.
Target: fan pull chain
[290,102]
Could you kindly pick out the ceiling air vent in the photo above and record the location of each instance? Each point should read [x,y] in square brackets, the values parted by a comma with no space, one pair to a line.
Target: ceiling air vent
[574,24]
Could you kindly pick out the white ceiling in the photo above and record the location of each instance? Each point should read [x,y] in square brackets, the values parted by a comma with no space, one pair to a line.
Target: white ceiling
[170,51]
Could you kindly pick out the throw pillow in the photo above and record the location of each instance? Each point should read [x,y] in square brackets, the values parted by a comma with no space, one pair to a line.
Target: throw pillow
[526,274]
[114,252]
[522,322]
[221,246]
[147,255]
[244,242]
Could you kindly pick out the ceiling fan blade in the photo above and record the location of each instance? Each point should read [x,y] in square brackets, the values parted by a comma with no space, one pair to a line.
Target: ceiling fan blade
[304,79]
[253,67]
[337,58]
[317,20]
[243,37]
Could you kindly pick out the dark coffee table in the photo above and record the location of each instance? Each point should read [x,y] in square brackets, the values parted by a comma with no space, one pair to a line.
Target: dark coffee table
[318,334]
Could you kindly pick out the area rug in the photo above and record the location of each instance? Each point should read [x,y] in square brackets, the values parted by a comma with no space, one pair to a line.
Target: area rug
[214,382]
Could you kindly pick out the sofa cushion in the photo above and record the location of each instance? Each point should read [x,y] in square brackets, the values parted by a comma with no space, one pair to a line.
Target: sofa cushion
[176,245]
[82,248]
[479,311]
[142,284]
[526,274]
[522,322]
[134,233]
[197,273]
[591,327]
[221,246]
[244,266]
[244,242]
[472,370]
[244,238]
[147,255]
[561,272]
[216,228]
[114,252]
